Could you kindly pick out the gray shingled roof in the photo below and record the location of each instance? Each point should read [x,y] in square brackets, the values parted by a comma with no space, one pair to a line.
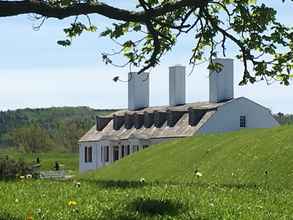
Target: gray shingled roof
[184,108]
[181,128]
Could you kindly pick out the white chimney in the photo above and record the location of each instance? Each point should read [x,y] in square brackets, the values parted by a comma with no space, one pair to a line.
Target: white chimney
[176,85]
[222,83]
[138,90]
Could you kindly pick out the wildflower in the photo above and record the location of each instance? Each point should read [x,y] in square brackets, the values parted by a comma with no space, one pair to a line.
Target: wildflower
[198,174]
[22,177]
[16,200]
[29,176]
[142,180]
[72,203]
[77,184]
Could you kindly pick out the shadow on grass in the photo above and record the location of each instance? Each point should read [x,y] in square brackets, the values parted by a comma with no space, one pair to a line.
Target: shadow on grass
[248,185]
[141,208]
[123,184]
[241,185]
[152,207]
[224,185]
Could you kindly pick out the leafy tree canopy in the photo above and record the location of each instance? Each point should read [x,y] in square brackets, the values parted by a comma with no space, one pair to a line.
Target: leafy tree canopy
[261,40]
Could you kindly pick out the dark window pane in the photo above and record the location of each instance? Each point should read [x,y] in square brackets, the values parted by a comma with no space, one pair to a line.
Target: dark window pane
[128,149]
[90,154]
[122,151]
[107,153]
[85,154]
[242,121]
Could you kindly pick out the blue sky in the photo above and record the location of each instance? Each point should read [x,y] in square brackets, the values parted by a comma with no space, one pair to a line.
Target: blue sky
[36,72]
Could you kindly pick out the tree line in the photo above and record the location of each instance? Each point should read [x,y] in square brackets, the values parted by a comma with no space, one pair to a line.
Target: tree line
[284,119]
[38,130]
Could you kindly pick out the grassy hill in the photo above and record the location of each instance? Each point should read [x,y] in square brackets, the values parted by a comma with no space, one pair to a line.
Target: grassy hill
[245,175]
[243,158]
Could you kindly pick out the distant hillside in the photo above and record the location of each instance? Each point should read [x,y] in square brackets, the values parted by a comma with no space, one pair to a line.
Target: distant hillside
[247,157]
[47,128]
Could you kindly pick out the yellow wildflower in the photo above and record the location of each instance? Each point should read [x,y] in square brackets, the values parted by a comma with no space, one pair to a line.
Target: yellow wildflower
[72,203]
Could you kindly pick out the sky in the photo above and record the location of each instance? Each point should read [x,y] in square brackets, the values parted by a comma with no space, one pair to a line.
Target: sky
[35,72]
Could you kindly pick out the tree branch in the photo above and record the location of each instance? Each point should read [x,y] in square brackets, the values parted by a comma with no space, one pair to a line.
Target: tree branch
[13,8]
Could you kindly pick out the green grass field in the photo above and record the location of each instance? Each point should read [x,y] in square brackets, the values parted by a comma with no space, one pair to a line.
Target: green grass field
[245,175]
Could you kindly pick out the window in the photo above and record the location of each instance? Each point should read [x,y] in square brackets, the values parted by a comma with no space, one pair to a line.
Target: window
[88,154]
[242,121]
[122,150]
[128,150]
[106,153]
[135,148]
[115,153]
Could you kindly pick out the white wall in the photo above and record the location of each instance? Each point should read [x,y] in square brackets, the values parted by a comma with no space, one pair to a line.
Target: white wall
[97,161]
[227,118]
[95,157]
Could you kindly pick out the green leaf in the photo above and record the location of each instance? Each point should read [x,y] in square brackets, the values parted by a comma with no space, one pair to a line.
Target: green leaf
[64,43]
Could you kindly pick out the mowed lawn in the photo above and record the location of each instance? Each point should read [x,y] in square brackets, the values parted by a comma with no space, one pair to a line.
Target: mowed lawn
[244,175]
[63,200]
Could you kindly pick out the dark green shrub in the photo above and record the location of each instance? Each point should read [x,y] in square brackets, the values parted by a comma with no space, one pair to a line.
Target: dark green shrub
[11,169]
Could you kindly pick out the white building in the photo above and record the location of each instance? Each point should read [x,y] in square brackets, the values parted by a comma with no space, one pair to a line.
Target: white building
[127,131]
